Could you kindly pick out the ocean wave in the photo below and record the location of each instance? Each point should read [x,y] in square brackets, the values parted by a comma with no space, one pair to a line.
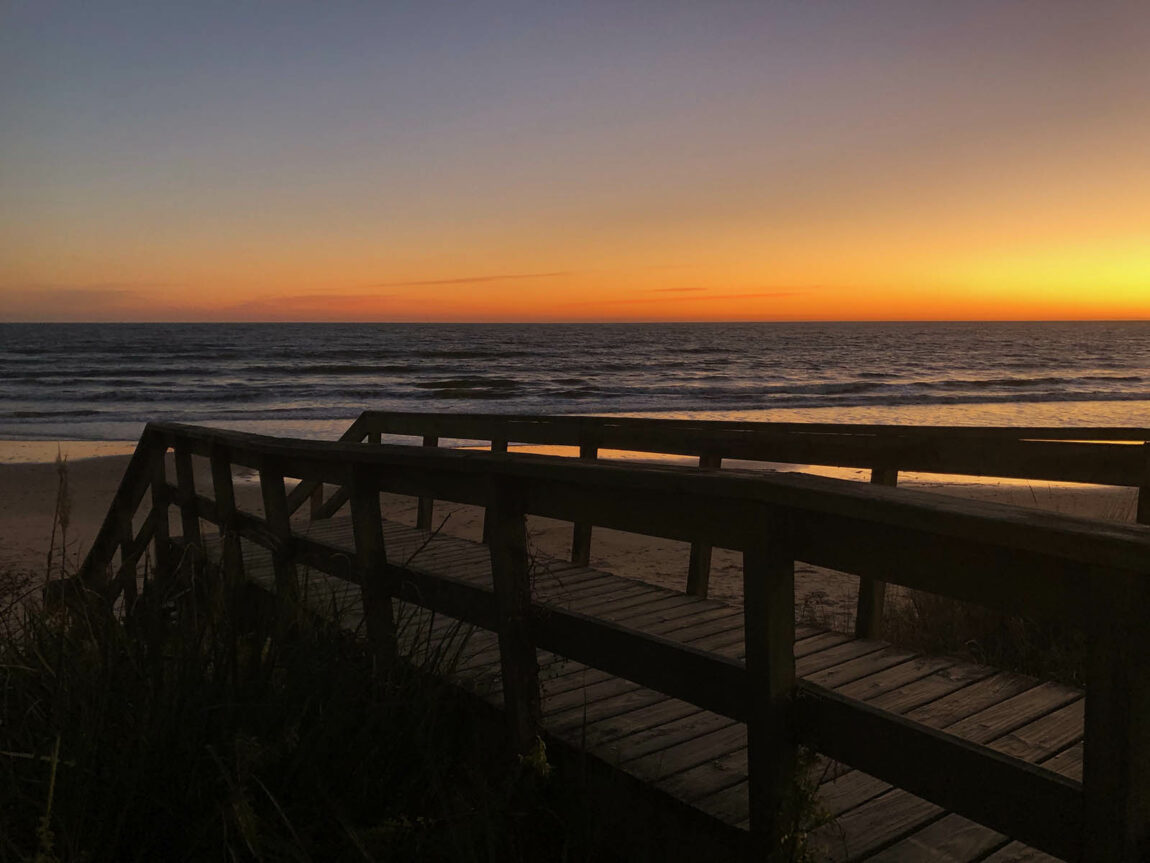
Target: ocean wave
[89,375]
[29,415]
[468,384]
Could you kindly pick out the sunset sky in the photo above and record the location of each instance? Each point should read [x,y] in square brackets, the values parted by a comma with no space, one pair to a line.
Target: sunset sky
[584,161]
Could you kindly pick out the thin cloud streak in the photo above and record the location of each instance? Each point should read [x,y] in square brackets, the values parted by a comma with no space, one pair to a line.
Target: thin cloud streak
[690,299]
[470,280]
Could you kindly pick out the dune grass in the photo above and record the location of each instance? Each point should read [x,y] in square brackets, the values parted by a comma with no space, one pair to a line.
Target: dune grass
[936,624]
[174,734]
[195,726]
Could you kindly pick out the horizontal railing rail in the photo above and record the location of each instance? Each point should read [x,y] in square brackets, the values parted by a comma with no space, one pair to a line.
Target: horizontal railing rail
[1091,574]
[1102,455]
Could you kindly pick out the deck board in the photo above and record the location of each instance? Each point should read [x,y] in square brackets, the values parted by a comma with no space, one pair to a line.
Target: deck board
[700,757]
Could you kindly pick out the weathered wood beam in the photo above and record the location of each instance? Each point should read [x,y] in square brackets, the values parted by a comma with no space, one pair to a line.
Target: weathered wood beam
[769,633]
[497,446]
[225,515]
[371,560]
[426,509]
[1116,766]
[872,591]
[671,667]
[581,532]
[160,501]
[699,565]
[189,511]
[511,578]
[279,524]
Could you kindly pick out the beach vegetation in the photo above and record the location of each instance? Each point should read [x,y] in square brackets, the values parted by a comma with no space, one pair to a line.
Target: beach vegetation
[935,624]
[193,726]
[167,734]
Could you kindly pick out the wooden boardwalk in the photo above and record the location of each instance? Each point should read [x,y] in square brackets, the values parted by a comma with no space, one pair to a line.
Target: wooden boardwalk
[697,757]
[702,704]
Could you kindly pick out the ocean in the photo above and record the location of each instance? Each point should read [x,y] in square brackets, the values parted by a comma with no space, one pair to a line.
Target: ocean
[104,381]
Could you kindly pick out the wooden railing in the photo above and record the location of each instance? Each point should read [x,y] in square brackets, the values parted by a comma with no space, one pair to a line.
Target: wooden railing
[1105,456]
[1090,574]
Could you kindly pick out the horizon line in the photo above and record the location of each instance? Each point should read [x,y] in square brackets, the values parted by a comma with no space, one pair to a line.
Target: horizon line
[609,322]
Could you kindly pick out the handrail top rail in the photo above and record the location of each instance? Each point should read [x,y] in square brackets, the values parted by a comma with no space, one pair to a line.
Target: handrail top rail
[591,421]
[1073,538]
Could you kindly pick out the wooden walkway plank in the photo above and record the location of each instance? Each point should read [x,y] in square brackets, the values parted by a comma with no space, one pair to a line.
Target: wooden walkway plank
[995,721]
[873,825]
[615,704]
[926,690]
[1016,852]
[967,700]
[661,610]
[832,656]
[600,734]
[896,677]
[951,839]
[1068,762]
[710,775]
[656,738]
[837,676]
[657,767]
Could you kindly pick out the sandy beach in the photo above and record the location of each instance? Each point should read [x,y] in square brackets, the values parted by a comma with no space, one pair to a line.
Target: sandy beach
[29,481]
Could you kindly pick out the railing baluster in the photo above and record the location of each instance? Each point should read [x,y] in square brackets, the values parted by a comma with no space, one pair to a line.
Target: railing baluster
[315,501]
[426,504]
[872,592]
[189,511]
[581,533]
[699,568]
[1142,516]
[769,631]
[279,525]
[496,446]
[1116,756]
[160,533]
[224,490]
[510,572]
[371,556]
[126,574]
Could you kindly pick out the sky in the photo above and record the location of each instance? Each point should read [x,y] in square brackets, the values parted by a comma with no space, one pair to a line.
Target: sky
[393,161]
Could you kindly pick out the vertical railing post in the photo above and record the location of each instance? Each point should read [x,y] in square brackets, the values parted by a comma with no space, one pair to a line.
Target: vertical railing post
[1116,746]
[769,631]
[160,537]
[511,577]
[1142,516]
[496,446]
[189,511]
[426,504]
[872,592]
[315,501]
[581,533]
[699,568]
[279,525]
[224,492]
[371,557]
[125,534]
